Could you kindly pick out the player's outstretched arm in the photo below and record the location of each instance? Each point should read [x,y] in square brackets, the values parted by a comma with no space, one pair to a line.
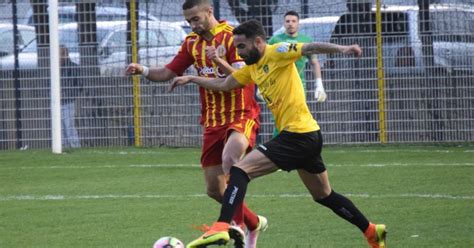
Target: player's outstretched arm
[153,74]
[322,47]
[217,84]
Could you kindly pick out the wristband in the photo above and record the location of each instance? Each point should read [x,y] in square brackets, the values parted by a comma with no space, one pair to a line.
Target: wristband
[145,71]
[319,82]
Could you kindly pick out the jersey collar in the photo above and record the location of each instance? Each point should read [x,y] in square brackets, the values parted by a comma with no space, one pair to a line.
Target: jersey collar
[219,27]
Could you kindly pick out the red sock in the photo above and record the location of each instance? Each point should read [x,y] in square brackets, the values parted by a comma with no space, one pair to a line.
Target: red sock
[250,218]
[369,232]
[238,217]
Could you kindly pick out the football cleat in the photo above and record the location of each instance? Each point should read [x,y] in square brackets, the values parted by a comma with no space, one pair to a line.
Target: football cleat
[252,235]
[238,235]
[377,238]
[218,234]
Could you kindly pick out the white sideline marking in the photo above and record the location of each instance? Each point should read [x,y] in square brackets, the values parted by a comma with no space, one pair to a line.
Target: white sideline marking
[198,165]
[402,164]
[100,197]
[144,152]
[163,165]
[402,150]
[326,149]
[104,166]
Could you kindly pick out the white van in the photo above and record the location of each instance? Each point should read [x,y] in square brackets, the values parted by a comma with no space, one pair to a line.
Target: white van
[452,33]
[453,38]
[26,35]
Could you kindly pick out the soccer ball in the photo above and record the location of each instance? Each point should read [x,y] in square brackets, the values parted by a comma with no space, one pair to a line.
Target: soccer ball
[168,242]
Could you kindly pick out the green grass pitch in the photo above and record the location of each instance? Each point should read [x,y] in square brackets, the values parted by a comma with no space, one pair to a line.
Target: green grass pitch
[130,197]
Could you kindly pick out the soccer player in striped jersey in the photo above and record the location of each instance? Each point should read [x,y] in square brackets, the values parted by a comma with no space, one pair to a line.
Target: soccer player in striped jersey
[297,147]
[230,119]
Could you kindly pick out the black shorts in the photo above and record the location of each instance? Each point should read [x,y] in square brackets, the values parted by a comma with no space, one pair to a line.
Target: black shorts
[291,151]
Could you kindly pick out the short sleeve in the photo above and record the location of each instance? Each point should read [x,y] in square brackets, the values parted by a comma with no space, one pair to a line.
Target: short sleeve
[243,75]
[232,55]
[285,51]
[182,60]
[272,40]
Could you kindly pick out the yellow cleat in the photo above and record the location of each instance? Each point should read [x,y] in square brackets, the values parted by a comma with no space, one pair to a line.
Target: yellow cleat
[377,236]
[217,235]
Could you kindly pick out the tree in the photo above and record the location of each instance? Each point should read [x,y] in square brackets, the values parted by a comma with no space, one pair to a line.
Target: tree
[87,31]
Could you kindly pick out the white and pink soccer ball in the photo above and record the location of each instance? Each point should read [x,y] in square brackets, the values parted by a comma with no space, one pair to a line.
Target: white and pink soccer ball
[168,242]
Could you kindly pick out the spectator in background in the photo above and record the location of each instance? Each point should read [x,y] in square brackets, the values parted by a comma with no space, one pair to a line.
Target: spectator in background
[70,90]
[291,35]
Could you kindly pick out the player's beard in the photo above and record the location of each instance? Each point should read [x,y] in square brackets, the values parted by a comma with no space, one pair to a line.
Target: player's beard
[253,57]
[204,27]
[201,30]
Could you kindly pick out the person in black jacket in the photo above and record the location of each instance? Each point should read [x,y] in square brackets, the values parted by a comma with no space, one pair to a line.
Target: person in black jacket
[70,90]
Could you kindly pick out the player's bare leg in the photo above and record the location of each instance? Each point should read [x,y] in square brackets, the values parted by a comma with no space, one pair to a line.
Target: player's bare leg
[253,165]
[321,191]
[234,149]
[215,182]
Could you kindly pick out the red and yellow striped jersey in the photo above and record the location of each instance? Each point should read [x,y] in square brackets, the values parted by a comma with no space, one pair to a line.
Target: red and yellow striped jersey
[217,108]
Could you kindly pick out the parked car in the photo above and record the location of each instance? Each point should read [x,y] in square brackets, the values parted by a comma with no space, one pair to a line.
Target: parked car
[26,35]
[67,14]
[452,33]
[158,43]
[452,28]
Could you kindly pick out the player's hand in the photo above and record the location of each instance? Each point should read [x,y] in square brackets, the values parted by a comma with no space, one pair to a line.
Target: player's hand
[178,81]
[215,54]
[319,93]
[134,69]
[353,49]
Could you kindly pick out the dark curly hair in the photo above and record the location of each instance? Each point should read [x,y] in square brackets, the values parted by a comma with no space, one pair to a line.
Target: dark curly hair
[251,29]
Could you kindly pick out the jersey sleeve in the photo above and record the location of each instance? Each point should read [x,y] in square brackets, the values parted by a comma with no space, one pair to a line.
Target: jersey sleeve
[285,52]
[243,75]
[231,53]
[272,40]
[182,60]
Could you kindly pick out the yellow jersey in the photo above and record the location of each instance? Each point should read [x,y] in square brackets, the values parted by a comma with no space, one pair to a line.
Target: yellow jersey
[278,80]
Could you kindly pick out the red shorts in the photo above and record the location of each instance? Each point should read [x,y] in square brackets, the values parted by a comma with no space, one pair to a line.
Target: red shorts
[215,137]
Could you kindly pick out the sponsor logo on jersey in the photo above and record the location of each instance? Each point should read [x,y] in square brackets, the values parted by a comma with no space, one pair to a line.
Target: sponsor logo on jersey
[209,71]
[283,47]
[292,47]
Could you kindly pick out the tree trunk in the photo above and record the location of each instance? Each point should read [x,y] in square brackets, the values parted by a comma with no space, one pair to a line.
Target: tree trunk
[425,32]
[304,9]
[87,31]
[41,23]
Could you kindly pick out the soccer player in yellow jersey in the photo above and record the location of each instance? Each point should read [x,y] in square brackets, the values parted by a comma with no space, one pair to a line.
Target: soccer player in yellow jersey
[297,147]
